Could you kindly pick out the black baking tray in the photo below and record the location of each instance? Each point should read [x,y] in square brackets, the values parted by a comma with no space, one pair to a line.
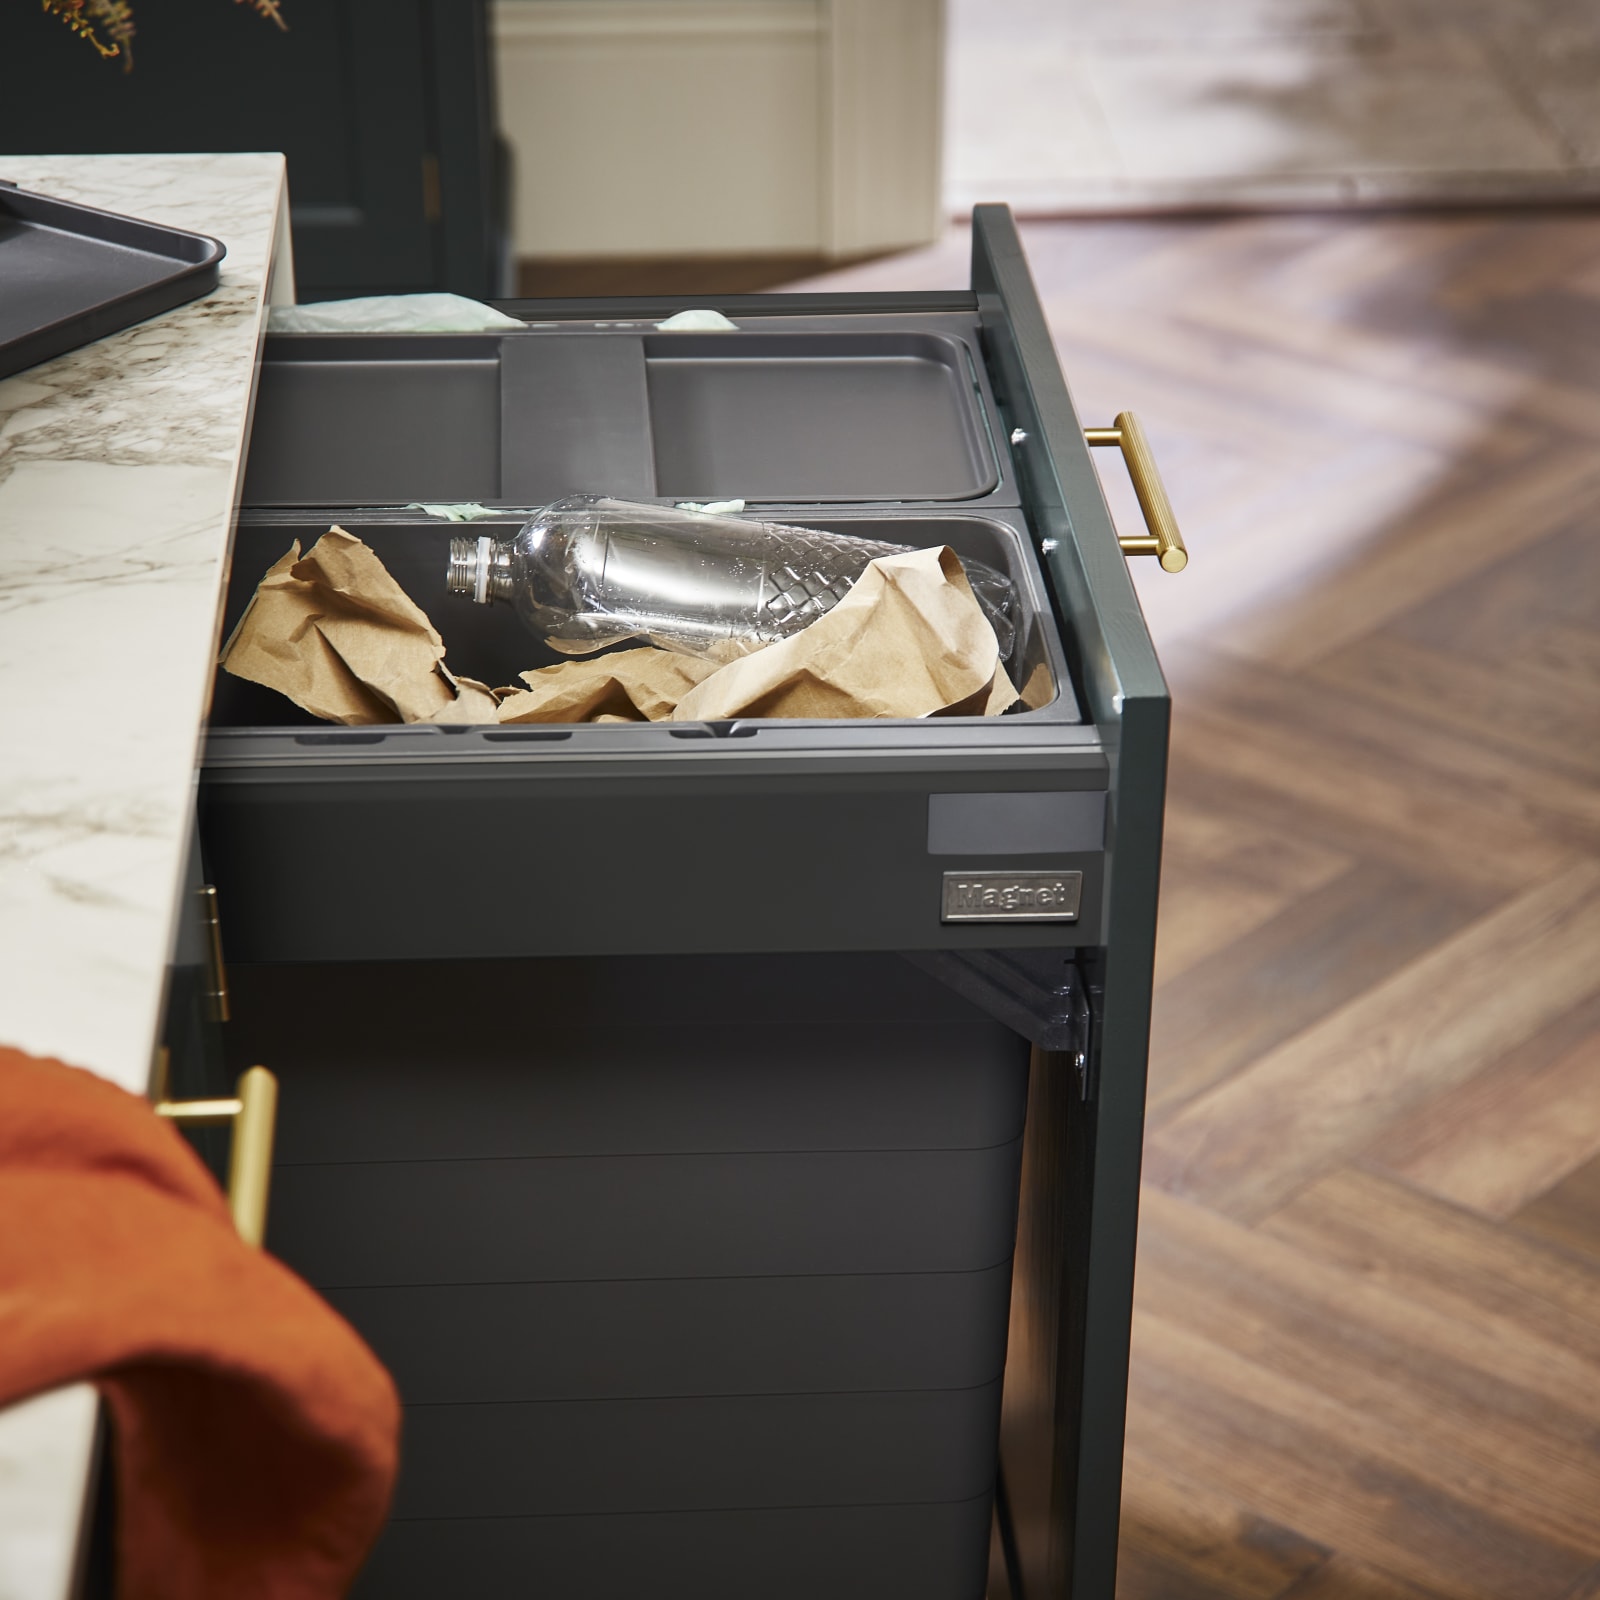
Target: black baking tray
[70,274]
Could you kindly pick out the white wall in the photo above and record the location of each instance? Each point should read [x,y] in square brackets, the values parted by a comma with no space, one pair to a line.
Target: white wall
[745,127]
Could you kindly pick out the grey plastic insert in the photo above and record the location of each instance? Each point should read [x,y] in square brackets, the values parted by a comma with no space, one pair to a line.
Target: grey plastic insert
[574,416]
[1042,822]
[869,416]
[340,423]
[524,418]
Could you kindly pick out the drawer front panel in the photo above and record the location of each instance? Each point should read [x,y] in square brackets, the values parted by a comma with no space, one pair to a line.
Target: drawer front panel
[313,865]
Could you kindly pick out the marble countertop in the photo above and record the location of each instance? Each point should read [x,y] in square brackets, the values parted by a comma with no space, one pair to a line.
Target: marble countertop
[120,466]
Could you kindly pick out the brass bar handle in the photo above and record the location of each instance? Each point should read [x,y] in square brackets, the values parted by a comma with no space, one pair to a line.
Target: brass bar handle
[1163,539]
[254,1115]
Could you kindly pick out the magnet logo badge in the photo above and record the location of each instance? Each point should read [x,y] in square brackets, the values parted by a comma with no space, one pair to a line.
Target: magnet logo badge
[1011,896]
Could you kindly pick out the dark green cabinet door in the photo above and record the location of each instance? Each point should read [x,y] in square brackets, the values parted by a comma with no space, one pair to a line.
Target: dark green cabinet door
[382,107]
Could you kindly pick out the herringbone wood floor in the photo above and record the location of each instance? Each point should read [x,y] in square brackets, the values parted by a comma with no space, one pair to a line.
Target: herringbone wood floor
[1367,1323]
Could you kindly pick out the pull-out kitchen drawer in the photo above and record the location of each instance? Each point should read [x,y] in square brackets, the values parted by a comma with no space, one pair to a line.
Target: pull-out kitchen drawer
[673,1105]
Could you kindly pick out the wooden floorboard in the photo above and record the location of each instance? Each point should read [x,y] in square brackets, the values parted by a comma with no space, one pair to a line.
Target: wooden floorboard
[1183,1539]
[1407,1388]
[1225,879]
[1568,1213]
[1343,1578]
[1586,1588]
[1322,951]
[1321,1097]
[1504,1138]
[1446,1261]
[1305,1460]
[1367,1351]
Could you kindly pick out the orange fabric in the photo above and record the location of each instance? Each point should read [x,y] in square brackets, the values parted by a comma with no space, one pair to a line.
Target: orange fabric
[255,1434]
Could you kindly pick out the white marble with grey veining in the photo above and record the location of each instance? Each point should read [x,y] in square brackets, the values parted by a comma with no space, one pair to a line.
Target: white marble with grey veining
[118,471]
[120,465]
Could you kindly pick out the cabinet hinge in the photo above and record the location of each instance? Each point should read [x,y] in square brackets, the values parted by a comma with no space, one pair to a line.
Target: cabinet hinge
[432,199]
[216,972]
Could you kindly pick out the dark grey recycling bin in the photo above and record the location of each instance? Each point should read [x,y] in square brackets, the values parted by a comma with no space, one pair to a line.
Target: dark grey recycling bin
[733,1163]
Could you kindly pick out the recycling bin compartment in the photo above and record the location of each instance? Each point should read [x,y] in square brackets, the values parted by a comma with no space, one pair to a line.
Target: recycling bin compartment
[817,417]
[734,1165]
[724,1237]
[486,643]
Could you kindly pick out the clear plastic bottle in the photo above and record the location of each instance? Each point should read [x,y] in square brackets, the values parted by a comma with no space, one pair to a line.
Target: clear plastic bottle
[587,572]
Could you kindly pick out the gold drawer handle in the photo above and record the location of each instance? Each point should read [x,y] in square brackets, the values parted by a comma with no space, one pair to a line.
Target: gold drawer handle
[1163,540]
[254,1114]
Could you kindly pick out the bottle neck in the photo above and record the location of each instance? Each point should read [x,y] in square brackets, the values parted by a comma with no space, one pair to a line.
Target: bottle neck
[480,568]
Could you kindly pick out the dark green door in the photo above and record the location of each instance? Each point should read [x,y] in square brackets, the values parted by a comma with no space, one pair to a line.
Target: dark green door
[382,107]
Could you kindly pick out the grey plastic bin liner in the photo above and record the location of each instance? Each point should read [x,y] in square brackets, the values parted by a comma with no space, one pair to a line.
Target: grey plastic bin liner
[722,1239]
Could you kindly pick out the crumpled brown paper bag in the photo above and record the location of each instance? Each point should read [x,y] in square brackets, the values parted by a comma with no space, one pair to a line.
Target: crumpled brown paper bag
[640,685]
[908,640]
[333,631]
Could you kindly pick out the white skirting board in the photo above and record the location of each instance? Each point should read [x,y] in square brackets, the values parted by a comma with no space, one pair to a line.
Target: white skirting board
[749,127]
